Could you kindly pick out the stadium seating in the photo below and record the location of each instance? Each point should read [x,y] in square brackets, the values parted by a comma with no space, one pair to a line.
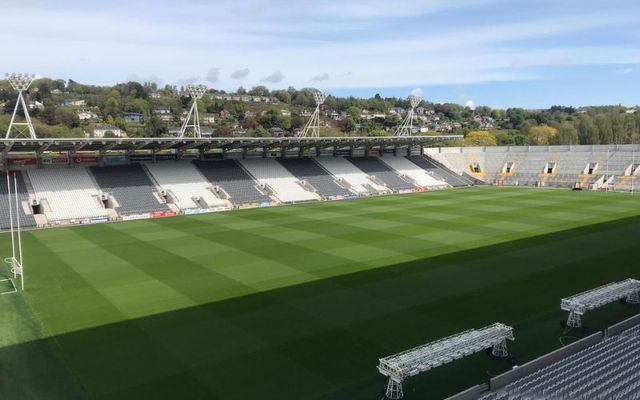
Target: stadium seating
[26,220]
[374,167]
[185,184]
[230,177]
[278,179]
[609,369]
[439,172]
[351,175]
[131,187]
[306,169]
[71,194]
[415,173]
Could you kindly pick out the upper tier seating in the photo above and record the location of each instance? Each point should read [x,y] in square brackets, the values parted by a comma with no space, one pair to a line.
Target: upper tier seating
[26,220]
[70,193]
[438,172]
[609,369]
[353,176]
[131,187]
[306,169]
[186,184]
[284,185]
[234,180]
[415,173]
[373,166]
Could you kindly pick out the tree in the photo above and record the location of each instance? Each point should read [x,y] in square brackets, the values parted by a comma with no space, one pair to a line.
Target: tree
[543,135]
[242,90]
[568,134]
[479,138]
[587,130]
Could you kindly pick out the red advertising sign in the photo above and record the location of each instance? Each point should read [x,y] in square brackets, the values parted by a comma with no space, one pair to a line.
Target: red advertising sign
[85,160]
[22,161]
[162,214]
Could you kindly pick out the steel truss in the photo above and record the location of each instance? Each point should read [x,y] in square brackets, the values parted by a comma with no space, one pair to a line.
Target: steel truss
[406,128]
[312,127]
[195,92]
[423,358]
[579,304]
[21,83]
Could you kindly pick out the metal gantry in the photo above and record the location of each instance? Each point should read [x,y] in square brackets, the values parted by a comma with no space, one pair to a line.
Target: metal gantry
[579,304]
[21,83]
[195,92]
[423,358]
[406,128]
[312,127]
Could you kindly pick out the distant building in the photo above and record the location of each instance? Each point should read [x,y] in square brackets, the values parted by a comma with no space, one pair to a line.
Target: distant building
[163,113]
[174,130]
[155,95]
[33,105]
[85,115]
[136,118]
[101,130]
[209,119]
[285,113]
[225,114]
[278,132]
[74,103]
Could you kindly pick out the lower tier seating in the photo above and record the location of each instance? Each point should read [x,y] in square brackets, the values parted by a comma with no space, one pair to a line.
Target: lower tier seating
[131,187]
[230,177]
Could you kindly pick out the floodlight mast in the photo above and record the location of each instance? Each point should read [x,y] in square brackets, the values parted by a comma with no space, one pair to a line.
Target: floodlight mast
[312,127]
[195,92]
[20,82]
[406,128]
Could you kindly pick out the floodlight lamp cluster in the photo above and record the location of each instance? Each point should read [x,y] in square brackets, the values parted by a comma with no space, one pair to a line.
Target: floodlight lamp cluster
[20,82]
[319,97]
[196,91]
[414,100]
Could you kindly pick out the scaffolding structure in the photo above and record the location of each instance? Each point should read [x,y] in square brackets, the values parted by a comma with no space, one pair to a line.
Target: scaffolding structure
[423,358]
[312,127]
[195,92]
[579,304]
[406,128]
[20,82]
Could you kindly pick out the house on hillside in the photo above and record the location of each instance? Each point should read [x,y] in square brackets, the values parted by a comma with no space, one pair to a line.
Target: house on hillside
[163,113]
[74,103]
[85,115]
[133,117]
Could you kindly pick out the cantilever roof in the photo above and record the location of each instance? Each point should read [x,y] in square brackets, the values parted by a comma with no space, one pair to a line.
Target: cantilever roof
[91,144]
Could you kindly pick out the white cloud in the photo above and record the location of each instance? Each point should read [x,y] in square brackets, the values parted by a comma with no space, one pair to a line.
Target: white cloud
[275,77]
[625,71]
[418,92]
[240,74]
[320,77]
[471,104]
[188,81]
[213,75]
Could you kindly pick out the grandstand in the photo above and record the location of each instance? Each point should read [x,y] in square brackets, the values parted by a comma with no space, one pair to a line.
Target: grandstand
[185,185]
[131,189]
[26,218]
[320,180]
[277,180]
[67,194]
[233,182]
[413,172]
[352,177]
[605,365]
[609,167]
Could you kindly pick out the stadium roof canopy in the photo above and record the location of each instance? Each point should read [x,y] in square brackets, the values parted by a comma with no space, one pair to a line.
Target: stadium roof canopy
[131,144]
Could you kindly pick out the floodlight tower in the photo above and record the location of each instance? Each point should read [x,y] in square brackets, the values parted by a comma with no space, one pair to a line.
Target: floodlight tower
[20,82]
[312,127]
[195,92]
[406,128]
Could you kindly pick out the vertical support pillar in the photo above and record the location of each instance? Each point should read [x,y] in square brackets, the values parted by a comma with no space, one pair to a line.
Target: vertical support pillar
[394,390]
[574,320]
[500,349]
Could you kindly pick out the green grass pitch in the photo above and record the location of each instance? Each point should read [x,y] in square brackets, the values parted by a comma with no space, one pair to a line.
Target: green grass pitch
[299,302]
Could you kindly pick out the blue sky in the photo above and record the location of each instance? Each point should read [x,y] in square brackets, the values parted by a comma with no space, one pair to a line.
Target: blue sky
[501,53]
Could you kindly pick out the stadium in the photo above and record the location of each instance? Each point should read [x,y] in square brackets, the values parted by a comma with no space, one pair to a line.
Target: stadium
[317,267]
